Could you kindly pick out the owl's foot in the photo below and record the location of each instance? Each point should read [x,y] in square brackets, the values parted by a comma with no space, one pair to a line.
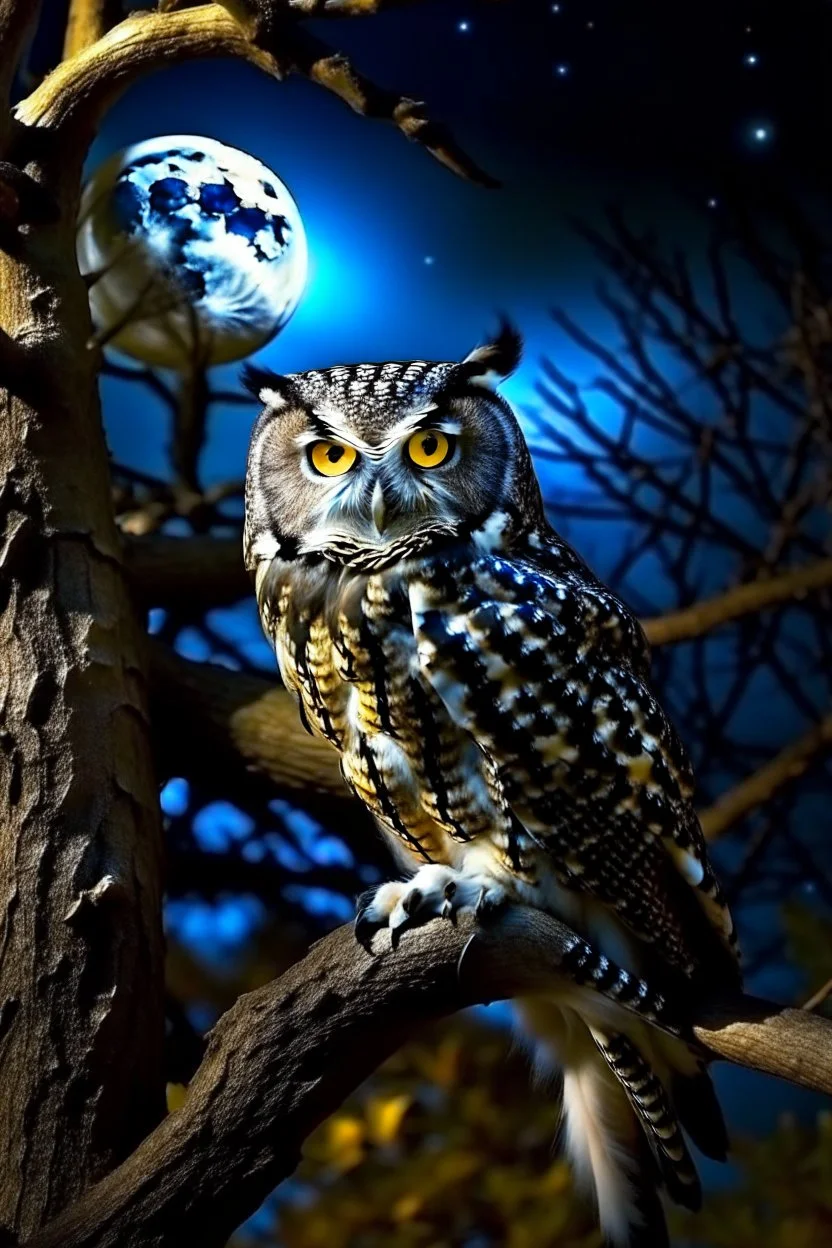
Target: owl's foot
[434,892]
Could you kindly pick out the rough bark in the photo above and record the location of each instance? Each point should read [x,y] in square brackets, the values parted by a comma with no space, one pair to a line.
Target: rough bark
[285,1057]
[81,1023]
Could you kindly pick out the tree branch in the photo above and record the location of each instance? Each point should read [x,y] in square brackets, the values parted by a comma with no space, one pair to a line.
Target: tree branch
[285,1057]
[86,22]
[789,765]
[201,707]
[320,63]
[78,91]
[750,599]
[187,574]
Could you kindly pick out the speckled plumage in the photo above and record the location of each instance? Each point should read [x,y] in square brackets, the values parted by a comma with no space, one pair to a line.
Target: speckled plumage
[490,699]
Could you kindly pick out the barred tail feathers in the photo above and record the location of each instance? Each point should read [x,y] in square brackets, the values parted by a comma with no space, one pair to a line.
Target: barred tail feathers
[605,1140]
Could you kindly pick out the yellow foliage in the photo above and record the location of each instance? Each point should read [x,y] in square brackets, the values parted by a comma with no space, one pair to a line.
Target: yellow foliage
[175,1094]
[384,1117]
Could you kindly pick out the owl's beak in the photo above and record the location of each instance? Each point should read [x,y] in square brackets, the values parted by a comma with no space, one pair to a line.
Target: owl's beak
[378,508]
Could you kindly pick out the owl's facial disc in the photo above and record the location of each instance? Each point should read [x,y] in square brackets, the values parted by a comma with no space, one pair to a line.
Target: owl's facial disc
[399,487]
[367,465]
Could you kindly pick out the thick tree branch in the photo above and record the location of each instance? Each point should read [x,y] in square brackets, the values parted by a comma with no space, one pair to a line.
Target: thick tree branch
[79,90]
[750,599]
[187,574]
[787,767]
[201,707]
[77,93]
[285,1057]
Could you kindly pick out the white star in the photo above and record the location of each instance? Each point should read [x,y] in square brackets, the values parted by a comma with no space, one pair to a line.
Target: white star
[561,70]
[750,59]
[463,27]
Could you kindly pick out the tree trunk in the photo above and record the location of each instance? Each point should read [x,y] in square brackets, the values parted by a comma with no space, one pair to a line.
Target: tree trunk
[81,1016]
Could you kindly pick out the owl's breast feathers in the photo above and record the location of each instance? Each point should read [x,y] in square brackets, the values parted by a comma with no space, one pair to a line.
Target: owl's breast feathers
[506,697]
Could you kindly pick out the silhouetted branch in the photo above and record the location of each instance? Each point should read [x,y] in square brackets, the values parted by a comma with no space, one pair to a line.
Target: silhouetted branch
[188,574]
[306,1041]
[749,599]
[759,788]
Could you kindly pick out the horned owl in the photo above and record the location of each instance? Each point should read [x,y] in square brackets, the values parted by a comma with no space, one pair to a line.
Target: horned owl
[490,701]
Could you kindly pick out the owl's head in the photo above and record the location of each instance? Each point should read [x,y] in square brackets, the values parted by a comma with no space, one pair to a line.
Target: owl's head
[367,464]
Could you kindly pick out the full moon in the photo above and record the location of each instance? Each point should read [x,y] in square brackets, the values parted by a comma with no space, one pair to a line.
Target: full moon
[193,251]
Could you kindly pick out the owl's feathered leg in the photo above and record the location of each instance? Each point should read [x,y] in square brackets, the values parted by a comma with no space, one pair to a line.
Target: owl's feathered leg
[435,891]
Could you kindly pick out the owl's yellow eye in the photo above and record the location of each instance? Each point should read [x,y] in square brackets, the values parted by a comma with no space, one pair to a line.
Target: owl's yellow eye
[429,448]
[332,459]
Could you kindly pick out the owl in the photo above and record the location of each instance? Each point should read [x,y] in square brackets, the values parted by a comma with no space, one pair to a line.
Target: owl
[491,704]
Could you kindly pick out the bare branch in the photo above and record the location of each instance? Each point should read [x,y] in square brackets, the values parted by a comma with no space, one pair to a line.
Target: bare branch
[285,1057]
[188,574]
[76,94]
[749,599]
[787,767]
[818,998]
[78,91]
[198,706]
[86,22]
[311,57]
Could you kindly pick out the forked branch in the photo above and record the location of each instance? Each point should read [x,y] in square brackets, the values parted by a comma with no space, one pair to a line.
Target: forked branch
[285,1057]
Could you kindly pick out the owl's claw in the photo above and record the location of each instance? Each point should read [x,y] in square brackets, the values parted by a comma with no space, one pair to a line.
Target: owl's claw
[365,927]
[434,892]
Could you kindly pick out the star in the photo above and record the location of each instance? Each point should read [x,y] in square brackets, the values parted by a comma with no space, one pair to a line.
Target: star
[556,8]
[429,260]
[463,27]
[761,134]
[750,59]
[561,70]
[712,202]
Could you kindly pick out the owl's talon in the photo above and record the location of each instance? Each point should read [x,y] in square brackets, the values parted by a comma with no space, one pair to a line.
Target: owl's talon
[489,902]
[434,892]
[364,930]
[411,901]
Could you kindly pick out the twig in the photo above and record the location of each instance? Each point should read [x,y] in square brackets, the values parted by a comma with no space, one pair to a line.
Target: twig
[818,998]
[787,767]
[752,598]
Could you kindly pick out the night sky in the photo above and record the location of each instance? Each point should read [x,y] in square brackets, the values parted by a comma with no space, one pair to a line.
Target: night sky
[656,107]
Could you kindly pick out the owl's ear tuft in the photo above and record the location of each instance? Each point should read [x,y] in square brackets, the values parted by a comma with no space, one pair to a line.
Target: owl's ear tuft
[272,389]
[489,364]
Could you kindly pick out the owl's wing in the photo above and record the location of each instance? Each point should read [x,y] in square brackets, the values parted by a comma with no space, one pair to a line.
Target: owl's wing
[537,668]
